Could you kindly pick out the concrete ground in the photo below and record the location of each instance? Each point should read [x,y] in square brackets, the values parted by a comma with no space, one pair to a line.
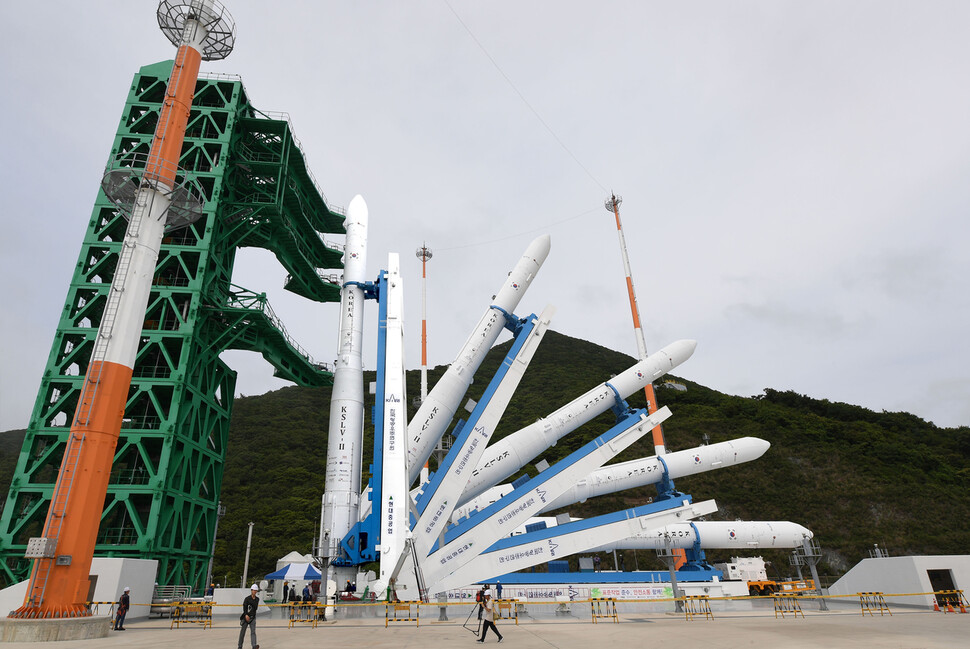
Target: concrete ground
[843,628]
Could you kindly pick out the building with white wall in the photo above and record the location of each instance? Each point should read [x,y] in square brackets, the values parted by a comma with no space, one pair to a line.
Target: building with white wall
[906,581]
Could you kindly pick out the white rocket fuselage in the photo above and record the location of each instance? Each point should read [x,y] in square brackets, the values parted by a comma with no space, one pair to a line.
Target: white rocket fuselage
[436,412]
[471,443]
[572,539]
[638,473]
[509,454]
[647,471]
[345,439]
[716,535]
[498,521]
[394,512]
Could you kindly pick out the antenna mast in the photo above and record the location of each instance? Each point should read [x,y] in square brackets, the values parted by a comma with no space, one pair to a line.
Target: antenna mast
[612,204]
[424,254]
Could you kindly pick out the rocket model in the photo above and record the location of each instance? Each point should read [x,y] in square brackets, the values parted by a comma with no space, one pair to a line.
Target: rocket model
[646,471]
[716,535]
[501,518]
[435,504]
[436,412]
[59,580]
[524,550]
[509,454]
[393,524]
[345,440]
[639,473]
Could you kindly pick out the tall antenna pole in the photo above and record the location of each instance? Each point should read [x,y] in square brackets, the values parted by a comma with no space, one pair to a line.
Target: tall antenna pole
[424,254]
[612,204]
[150,193]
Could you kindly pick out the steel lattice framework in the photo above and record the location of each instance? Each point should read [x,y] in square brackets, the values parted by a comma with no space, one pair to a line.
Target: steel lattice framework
[166,477]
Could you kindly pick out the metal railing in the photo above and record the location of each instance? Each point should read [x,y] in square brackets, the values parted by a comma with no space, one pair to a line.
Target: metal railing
[285,117]
[245,299]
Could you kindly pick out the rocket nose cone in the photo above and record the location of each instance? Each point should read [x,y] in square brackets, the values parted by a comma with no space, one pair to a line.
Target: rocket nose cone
[539,248]
[755,446]
[681,350]
[804,531]
[357,210]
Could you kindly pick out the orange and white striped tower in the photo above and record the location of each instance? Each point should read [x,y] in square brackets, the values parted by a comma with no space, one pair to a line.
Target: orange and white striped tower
[424,254]
[612,204]
[154,201]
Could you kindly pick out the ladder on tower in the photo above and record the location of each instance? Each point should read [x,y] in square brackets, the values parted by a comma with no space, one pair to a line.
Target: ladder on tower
[44,548]
[92,379]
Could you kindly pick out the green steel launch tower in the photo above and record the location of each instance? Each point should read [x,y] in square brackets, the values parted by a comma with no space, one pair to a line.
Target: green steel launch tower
[163,495]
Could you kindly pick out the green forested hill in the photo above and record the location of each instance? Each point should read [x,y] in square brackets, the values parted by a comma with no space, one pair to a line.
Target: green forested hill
[853,476]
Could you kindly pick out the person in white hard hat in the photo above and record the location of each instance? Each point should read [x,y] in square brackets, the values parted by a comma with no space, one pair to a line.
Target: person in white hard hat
[248,617]
[124,603]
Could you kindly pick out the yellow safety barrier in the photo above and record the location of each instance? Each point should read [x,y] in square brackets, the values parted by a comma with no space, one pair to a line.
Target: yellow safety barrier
[873,601]
[787,603]
[304,613]
[198,612]
[191,613]
[405,606]
[95,608]
[948,601]
[603,607]
[697,605]
[507,609]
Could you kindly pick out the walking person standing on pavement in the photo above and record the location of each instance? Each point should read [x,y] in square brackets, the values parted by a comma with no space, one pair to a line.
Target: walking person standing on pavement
[248,617]
[480,599]
[489,618]
[124,603]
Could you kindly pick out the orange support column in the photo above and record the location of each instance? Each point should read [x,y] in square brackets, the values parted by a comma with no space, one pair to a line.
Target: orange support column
[170,134]
[60,583]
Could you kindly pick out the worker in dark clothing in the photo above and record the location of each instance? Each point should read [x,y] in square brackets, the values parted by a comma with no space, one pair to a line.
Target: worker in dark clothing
[480,599]
[124,603]
[248,617]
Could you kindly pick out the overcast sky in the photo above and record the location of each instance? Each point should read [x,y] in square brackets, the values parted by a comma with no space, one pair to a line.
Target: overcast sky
[794,175]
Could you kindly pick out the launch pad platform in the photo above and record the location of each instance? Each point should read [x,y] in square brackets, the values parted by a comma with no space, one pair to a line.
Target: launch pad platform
[841,627]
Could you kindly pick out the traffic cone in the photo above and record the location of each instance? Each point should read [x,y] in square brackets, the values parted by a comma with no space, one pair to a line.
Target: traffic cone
[936,605]
[949,607]
[963,608]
